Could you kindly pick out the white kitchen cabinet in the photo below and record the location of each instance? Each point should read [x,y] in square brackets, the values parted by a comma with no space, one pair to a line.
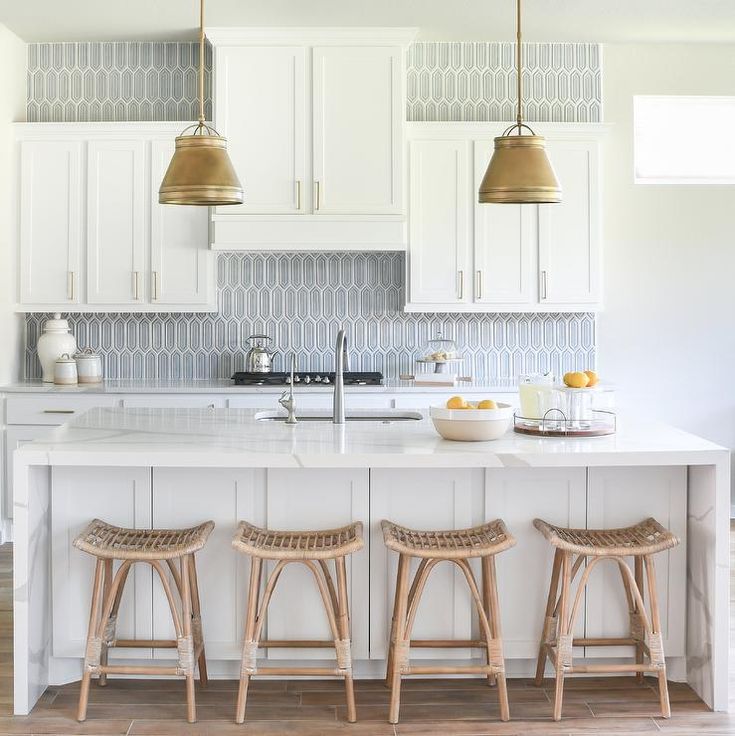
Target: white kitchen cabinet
[357,144]
[127,253]
[51,229]
[569,254]
[187,497]
[440,223]
[422,499]
[518,496]
[120,496]
[164,401]
[315,123]
[116,199]
[516,258]
[261,97]
[621,497]
[343,498]
[504,245]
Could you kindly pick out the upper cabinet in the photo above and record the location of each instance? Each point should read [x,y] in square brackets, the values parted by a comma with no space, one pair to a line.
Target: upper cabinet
[519,258]
[315,122]
[92,235]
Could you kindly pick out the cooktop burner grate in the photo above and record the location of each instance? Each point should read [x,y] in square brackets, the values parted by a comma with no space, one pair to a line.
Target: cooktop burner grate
[311,378]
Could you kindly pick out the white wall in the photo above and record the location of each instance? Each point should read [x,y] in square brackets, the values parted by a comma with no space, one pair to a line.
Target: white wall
[12,108]
[667,335]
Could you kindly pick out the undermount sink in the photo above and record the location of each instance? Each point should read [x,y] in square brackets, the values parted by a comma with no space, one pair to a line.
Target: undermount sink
[385,417]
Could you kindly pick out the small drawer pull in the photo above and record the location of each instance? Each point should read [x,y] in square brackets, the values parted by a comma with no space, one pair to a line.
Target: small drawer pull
[58,411]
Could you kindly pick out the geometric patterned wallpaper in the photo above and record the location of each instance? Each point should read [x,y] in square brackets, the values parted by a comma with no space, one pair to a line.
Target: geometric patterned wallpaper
[298,299]
[470,80]
[115,81]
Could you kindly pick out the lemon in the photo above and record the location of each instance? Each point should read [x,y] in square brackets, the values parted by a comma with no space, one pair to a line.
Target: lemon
[576,379]
[487,404]
[594,378]
[457,402]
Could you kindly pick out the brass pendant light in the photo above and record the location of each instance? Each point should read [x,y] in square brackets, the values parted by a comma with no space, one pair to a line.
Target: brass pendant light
[519,171]
[200,172]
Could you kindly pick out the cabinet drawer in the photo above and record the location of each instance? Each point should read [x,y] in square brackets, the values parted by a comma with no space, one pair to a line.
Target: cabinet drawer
[188,401]
[52,410]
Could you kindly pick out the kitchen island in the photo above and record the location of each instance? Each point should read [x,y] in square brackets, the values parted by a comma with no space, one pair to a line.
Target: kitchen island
[177,467]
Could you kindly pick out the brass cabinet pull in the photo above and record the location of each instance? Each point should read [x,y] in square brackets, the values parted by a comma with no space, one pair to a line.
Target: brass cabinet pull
[71,275]
[317,195]
[298,194]
[479,284]
[155,285]
[543,284]
[460,284]
[136,285]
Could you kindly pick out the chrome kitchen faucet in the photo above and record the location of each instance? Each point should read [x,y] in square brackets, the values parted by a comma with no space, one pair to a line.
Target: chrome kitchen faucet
[341,364]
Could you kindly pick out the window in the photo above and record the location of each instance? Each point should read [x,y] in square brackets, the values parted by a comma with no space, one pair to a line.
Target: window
[684,140]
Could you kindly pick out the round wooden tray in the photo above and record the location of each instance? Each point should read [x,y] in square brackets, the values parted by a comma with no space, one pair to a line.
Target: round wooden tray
[603,425]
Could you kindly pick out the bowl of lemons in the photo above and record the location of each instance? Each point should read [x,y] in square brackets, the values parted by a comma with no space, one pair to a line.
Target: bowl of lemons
[467,421]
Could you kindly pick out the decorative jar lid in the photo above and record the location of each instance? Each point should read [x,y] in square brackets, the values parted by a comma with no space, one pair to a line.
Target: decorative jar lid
[65,358]
[86,354]
[56,324]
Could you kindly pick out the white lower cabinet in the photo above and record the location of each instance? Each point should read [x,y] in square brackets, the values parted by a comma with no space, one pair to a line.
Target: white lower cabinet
[343,497]
[620,497]
[422,499]
[190,496]
[518,496]
[120,496]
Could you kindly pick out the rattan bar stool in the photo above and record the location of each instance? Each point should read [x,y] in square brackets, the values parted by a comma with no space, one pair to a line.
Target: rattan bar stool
[154,546]
[313,549]
[432,547]
[590,547]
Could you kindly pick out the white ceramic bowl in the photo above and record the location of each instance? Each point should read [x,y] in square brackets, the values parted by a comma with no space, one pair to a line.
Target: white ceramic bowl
[472,425]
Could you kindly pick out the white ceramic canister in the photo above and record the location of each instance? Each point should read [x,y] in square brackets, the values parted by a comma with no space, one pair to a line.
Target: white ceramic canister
[65,371]
[55,340]
[89,366]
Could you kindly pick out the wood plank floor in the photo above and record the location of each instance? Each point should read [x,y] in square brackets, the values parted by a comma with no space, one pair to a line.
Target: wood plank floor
[599,706]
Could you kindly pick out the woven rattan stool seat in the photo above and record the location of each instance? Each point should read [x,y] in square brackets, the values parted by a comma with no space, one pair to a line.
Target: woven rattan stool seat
[645,538]
[325,544]
[452,544]
[113,542]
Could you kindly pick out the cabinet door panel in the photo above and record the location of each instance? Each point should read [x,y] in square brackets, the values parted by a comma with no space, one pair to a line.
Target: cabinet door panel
[50,221]
[505,245]
[518,496]
[422,499]
[440,226]
[120,496]
[569,256]
[181,262]
[262,106]
[620,497]
[358,114]
[116,237]
[186,497]
[296,610]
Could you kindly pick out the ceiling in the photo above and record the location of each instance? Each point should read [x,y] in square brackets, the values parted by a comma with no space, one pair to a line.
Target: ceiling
[544,20]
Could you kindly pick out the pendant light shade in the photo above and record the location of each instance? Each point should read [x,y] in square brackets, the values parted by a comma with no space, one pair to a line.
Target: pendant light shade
[519,171]
[200,172]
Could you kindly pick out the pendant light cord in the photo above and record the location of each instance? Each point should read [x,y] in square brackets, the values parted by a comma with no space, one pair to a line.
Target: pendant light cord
[201,62]
[519,72]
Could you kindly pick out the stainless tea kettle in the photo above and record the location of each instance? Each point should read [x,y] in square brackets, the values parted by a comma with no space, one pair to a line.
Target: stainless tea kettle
[259,358]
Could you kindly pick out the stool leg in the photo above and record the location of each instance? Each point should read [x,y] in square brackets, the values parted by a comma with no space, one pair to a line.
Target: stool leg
[102,679]
[641,586]
[250,619]
[343,625]
[488,565]
[491,680]
[655,639]
[400,645]
[548,619]
[186,615]
[91,632]
[564,637]
[196,610]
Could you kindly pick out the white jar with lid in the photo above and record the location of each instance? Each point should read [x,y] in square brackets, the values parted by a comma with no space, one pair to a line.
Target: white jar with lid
[89,366]
[65,371]
[55,340]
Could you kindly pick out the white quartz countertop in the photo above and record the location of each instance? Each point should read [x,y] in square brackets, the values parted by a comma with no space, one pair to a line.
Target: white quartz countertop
[233,438]
[227,386]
